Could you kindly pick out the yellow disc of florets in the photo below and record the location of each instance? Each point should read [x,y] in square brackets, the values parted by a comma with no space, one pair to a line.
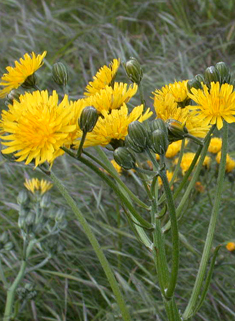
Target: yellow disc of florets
[37,126]
[215,145]
[112,97]
[114,125]
[178,90]
[103,77]
[215,104]
[33,185]
[17,75]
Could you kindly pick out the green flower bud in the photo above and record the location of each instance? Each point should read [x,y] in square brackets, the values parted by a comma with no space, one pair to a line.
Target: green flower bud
[13,95]
[124,158]
[23,198]
[88,119]
[158,124]
[30,82]
[193,83]
[200,78]
[8,246]
[211,75]
[45,201]
[130,144]
[138,134]
[134,70]
[176,130]
[224,72]
[159,142]
[4,237]
[60,74]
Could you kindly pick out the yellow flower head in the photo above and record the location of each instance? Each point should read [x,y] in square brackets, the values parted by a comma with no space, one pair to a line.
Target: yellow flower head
[37,127]
[215,145]
[230,246]
[104,77]
[215,104]
[186,161]
[35,185]
[178,90]
[173,149]
[166,108]
[17,75]
[113,125]
[230,162]
[207,162]
[112,98]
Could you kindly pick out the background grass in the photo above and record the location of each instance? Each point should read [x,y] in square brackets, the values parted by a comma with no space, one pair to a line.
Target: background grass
[173,40]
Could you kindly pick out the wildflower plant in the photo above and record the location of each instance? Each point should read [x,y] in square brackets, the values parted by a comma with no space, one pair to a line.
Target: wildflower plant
[37,127]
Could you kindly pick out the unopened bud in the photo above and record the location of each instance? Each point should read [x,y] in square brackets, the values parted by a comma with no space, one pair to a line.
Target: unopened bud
[176,130]
[159,142]
[211,75]
[130,144]
[200,78]
[134,70]
[193,83]
[138,134]
[124,158]
[60,74]
[158,124]
[224,72]
[23,198]
[88,119]
[30,82]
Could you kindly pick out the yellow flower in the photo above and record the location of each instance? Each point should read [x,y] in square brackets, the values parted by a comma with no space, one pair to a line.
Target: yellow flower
[34,185]
[17,75]
[113,125]
[230,246]
[230,162]
[178,90]
[207,162]
[169,176]
[166,108]
[37,127]
[215,145]
[173,149]
[215,104]
[103,77]
[112,98]
[186,161]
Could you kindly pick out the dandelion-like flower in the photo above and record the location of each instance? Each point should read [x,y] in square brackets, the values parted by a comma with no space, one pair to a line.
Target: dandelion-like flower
[178,90]
[17,75]
[166,108]
[186,161]
[230,246]
[37,126]
[215,145]
[230,162]
[112,97]
[103,77]
[114,125]
[35,185]
[214,105]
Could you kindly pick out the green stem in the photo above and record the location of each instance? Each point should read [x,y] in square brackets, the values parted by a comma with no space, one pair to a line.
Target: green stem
[210,234]
[2,275]
[79,152]
[171,310]
[142,96]
[96,246]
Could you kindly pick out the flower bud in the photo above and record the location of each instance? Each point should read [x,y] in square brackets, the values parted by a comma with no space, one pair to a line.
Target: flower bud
[211,75]
[176,130]
[30,82]
[130,144]
[4,237]
[134,70]
[193,83]
[23,198]
[138,134]
[200,78]
[124,158]
[88,119]
[224,72]
[158,124]
[60,74]
[159,142]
